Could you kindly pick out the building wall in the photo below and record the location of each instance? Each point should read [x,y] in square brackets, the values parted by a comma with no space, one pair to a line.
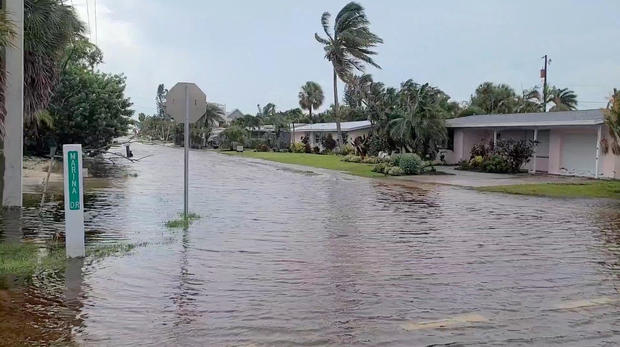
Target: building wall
[552,142]
[351,135]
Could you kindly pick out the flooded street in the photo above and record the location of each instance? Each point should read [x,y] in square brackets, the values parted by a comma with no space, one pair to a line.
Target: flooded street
[285,256]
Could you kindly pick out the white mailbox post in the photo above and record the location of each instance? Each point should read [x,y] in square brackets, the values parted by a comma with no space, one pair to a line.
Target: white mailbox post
[74,200]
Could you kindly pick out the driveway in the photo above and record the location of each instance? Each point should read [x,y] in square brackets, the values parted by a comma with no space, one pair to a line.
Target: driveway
[481,179]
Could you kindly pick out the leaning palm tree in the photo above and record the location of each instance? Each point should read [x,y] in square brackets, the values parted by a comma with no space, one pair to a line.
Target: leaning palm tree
[214,115]
[49,27]
[348,47]
[311,97]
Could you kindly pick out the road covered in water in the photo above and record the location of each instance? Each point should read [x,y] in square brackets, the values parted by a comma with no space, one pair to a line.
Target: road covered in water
[287,255]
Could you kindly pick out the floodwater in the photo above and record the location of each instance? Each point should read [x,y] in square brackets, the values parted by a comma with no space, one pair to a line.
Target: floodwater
[284,256]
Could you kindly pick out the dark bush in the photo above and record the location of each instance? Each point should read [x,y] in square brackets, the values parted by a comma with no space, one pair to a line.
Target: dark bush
[316,150]
[479,150]
[262,148]
[306,141]
[496,164]
[328,142]
[516,153]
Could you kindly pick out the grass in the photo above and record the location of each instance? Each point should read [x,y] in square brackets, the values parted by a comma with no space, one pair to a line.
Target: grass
[183,222]
[594,189]
[25,259]
[331,162]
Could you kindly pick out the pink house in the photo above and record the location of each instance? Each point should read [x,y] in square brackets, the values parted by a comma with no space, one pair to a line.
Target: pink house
[568,143]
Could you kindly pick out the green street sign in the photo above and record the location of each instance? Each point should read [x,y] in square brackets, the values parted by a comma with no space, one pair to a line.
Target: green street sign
[74,180]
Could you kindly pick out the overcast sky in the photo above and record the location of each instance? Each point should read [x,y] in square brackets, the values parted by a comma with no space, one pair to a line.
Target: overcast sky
[243,53]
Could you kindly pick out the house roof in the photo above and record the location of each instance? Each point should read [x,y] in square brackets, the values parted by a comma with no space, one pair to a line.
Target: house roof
[562,118]
[344,126]
[235,114]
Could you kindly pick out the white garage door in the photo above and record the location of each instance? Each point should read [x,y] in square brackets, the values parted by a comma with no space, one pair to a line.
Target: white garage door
[578,154]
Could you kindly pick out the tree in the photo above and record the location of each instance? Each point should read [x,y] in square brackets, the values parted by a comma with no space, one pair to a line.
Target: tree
[420,124]
[612,120]
[87,107]
[490,98]
[357,91]
[563,99]
[348,47]
[49,28]
[160,100]
[311,97]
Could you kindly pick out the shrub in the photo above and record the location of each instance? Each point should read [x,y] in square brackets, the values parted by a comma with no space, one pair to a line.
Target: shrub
[298,147]
[496,164]
[328,142]
[347,149]
[371,160]
[395,171]
[516,153]
[380,168]
[476,162]
[262,148]
[479,150]
[378,144]
[352,158]
[306,141]
[316,150]
[410,164]
[361,145]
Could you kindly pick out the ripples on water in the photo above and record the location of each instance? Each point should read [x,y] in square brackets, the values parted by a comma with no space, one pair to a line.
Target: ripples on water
[286,256]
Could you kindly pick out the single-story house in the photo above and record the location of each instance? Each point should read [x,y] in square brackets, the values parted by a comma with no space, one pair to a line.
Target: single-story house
[316,132]
[567,143]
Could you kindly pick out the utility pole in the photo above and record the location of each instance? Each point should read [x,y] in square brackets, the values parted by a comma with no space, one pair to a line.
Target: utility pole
[11,158]
[543,75]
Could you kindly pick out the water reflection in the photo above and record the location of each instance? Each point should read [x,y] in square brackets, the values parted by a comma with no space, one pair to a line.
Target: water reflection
[281,256]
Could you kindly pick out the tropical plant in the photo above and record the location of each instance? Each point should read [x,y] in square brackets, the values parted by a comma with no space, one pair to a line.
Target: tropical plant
[515,152]
[411,164]
[361,145]
[87,107]
[347,47]
[563,99]
[328,142]
[420,123]
[49,27]
[233,135]
[491,98]
[311,97]
[612,120]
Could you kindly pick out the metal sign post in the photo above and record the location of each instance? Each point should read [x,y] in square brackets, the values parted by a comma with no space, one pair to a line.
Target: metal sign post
[186,103]
[186,148]
[74,200]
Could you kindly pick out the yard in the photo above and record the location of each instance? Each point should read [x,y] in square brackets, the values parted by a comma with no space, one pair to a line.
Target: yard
[331,162]
[591,189]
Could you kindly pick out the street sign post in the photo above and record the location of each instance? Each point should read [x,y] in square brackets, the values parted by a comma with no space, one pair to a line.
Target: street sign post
[186,103]
[74,200]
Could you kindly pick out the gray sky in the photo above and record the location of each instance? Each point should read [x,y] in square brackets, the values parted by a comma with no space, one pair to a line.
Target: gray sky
[243,52]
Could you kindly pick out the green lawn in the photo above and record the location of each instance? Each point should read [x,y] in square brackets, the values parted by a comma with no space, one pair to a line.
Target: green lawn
[594,189]
[331,162]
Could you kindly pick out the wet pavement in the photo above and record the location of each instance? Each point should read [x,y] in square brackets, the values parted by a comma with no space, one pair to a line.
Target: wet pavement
[284,256]
[463,178]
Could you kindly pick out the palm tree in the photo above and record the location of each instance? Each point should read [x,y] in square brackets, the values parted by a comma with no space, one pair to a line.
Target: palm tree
[357,91]
[420,126]
[311,97]
[213,115]
[49,27]
[563,99]
[7,32]
[347,47]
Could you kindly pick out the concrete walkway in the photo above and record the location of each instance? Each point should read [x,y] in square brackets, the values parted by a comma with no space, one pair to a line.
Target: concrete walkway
[482,179]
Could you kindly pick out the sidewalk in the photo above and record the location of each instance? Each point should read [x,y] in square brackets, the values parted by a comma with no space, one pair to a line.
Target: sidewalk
[481,179]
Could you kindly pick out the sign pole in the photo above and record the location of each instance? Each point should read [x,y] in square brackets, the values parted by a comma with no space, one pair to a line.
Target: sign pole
[74,200]
[186,132]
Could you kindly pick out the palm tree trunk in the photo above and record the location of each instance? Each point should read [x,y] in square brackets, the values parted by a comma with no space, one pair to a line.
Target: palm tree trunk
[310,112]
[336,110]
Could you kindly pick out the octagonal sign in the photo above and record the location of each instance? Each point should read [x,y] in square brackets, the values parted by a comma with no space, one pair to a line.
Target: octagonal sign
[176,103]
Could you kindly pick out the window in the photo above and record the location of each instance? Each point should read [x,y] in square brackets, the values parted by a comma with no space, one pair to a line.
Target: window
[450,144]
